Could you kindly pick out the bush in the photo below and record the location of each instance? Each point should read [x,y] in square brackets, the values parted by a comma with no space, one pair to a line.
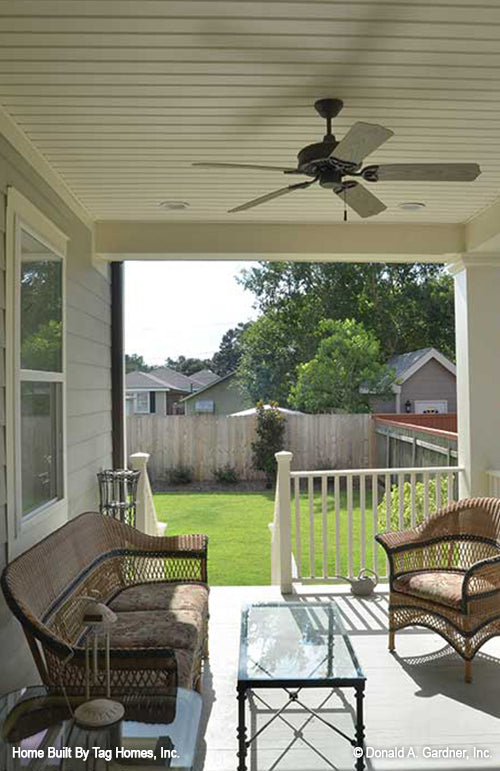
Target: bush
[181,475]
[270,433]
[226,475]
[419,504]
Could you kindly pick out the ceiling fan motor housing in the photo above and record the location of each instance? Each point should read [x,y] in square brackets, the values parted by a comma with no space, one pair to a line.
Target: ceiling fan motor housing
[309,156]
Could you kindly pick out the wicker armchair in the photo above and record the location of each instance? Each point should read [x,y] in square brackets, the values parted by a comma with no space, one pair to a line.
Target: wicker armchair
[445,575]
[156,586]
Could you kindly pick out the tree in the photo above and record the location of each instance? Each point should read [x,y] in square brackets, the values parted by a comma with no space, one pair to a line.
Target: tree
[346,363]
[227,358]
[270,355]
[135,363]
[270,433]
[188,365]
[406,307]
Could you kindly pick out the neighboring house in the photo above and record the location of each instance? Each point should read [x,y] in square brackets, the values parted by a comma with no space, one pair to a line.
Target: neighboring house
[221,397]
[161,390]
[425,383]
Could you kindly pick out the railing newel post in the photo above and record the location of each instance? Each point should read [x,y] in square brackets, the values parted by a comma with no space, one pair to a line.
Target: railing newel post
[284,519]
[145,519]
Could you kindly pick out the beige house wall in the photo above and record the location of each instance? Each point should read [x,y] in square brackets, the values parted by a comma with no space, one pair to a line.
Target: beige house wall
[431,382]
[226,397]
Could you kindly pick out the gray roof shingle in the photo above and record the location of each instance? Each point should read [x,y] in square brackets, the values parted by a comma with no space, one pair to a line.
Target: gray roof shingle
[165,377]
[404,361]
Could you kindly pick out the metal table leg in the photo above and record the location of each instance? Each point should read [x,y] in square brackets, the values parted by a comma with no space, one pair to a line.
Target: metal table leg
[360,726]
[242,731]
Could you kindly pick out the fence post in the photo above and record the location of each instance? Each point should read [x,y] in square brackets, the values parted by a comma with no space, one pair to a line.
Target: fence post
[145,517]
[284,460]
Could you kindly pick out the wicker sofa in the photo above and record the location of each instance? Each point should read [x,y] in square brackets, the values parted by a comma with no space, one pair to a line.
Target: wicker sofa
[445,575]
[156,586]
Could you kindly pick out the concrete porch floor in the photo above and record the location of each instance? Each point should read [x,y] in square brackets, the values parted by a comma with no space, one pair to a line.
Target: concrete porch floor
[416,698]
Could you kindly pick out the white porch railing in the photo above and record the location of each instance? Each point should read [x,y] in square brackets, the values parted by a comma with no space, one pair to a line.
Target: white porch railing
[145,516]
[325,521]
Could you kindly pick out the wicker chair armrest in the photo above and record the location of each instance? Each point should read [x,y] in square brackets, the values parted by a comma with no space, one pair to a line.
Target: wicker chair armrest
[404,540]
[482,577]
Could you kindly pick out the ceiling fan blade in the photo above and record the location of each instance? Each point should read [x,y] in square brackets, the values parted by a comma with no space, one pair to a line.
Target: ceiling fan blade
[270,196]
[246,166]
[360,199]
[423,172]
[361,140]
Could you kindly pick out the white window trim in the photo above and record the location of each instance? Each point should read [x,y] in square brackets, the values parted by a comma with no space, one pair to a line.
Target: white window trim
[24,532]
[138,411]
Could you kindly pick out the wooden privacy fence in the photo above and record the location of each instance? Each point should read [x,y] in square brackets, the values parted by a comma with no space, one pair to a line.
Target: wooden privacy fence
[203,443]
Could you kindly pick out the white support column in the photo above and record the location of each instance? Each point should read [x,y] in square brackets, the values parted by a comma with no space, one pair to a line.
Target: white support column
[283,510]
[477,320]
[145,516]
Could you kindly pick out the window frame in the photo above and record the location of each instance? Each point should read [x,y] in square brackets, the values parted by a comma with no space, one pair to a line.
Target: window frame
[136,405]
[25,531]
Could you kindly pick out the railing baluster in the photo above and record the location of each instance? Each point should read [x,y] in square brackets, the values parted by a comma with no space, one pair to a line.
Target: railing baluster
[449,488]
[362,505]
[349,525]
[401,501]
[388,502]
[312,556]
[298,543]
[413,482]
[324,524]
[438,491]
[375,519]
[426,494]
[338,566]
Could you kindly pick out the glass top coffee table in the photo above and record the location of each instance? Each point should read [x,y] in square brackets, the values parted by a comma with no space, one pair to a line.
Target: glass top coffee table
[157,732]
[296,645]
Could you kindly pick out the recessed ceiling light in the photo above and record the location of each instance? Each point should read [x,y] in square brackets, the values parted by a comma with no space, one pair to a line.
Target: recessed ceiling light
[174,205]
[411,206]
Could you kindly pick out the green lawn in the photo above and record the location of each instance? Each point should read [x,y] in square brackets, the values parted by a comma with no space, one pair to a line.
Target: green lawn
[237,525]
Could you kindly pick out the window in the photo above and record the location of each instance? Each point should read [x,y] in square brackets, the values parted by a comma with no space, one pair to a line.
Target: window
[35,375]
[204,405]
[142,402]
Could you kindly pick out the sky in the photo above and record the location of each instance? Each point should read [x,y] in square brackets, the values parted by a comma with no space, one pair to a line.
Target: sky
[182,308]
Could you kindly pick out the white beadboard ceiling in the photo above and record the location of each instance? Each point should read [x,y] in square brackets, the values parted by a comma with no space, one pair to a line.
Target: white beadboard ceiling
[120,96]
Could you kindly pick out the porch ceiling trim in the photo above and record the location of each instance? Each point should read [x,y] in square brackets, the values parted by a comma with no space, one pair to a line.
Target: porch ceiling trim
[483,231]
[125,240]
[27,149]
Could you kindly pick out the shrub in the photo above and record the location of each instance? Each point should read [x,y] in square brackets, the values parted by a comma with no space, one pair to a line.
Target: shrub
[270,433]
[226,475]
[419,504]
[181,475]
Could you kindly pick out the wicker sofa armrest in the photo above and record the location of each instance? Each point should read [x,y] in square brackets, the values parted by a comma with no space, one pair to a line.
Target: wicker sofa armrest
[194,545]
[164,558]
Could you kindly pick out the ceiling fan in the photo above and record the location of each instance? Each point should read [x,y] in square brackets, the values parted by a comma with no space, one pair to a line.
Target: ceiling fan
[332,163]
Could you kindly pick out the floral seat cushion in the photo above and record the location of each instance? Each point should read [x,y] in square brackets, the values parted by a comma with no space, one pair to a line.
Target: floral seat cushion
[441,586]
[162,595]
[157,629]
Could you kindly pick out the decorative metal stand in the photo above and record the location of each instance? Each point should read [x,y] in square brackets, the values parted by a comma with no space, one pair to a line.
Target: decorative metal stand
[118,494]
